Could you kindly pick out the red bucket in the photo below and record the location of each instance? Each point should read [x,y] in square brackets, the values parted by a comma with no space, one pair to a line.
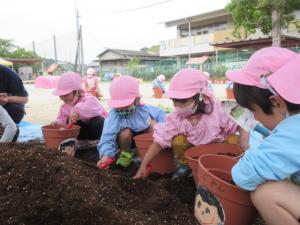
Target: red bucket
[158,92]
[214,173]
[194,153]
[54,135]
[163,163]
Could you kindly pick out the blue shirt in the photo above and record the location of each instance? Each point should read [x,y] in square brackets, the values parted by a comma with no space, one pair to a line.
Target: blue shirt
[276,158]
[114,123]
[158,84]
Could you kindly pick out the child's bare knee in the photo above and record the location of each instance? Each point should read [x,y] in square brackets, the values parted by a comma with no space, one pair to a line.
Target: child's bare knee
[151,126]
[125,134]
[263,192]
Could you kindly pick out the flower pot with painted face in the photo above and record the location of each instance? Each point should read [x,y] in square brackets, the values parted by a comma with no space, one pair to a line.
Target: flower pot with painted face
[193,154]
[163,163]
[218,200]
[55,135]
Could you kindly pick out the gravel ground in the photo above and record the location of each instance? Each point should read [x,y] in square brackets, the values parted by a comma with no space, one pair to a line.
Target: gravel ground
[43,107]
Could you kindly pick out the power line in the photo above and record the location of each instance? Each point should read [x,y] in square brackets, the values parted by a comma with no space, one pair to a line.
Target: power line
[143,7]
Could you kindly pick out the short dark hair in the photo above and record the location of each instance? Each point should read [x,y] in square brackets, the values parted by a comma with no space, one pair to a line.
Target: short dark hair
[211,200]
[203,107]
[246,96]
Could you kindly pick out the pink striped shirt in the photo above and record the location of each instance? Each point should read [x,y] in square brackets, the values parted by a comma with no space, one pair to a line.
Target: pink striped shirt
[87,107]
[210,128]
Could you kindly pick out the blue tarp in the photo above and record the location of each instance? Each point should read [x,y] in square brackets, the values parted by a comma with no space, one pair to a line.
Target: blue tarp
[29,131]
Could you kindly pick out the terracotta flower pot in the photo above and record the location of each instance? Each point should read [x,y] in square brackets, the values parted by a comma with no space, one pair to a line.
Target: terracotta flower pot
[214,173]
[158,92]
[194,153]
[229,93]
[55,135]
[163,163]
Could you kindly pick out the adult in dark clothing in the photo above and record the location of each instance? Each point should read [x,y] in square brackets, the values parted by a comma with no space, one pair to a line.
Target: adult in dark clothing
[13,95]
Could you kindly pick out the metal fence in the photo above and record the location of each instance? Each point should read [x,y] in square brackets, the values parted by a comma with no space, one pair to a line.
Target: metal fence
[215,65]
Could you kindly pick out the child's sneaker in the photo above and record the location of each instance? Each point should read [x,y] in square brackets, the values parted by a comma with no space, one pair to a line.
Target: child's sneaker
[181,172]
[124,159]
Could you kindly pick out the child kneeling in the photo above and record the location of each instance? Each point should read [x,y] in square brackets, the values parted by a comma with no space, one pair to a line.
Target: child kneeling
[128,117]
[197,119]
[79,108]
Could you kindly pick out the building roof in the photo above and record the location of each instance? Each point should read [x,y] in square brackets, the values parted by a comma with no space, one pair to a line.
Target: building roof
[126,52]
[94,64]
[28,61]
[198,17]
[197,60]
[129,54]
[52,68]
[5,62]
[260,42]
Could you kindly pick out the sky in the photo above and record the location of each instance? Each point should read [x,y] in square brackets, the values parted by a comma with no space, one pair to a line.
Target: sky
[122,24]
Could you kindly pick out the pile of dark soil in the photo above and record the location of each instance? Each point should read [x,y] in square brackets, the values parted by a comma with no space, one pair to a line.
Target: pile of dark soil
[38,186]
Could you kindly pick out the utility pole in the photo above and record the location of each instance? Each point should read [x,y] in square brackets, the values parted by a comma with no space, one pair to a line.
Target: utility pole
[33,48]
[79,59]
[81,51]
[190,38]
[55,50]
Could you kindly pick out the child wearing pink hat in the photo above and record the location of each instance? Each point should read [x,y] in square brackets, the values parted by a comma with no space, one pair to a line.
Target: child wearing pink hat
[79,108]
[90,83]
[197,119]
[127,118]
[268,85]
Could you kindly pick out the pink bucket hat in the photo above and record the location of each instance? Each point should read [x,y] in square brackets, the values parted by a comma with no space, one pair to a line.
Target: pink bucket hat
[187,83]
[68,82]
[123,91]
[272,68]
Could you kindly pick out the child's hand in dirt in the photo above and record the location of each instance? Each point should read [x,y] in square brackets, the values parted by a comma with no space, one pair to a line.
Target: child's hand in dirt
[53,124]
[74,117]
[141,173]
[102,160]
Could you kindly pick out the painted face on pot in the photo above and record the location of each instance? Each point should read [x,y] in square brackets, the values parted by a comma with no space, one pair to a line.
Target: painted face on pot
[206,211]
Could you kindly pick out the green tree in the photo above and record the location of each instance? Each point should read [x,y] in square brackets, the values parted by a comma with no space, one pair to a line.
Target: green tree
[6,47]
[133,63]
[22,53]
[153,49]
[268,15]
[9,50]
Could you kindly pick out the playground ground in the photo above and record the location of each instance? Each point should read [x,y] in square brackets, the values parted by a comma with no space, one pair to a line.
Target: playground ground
[43,106]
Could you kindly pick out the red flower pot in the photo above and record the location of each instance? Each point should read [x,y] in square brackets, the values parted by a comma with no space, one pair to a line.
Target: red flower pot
[55,135]
[229,93]
[158,92]
[163,163]
[214,173]
[194,153]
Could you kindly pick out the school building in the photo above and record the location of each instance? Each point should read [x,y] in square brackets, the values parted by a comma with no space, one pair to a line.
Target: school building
[207,39]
